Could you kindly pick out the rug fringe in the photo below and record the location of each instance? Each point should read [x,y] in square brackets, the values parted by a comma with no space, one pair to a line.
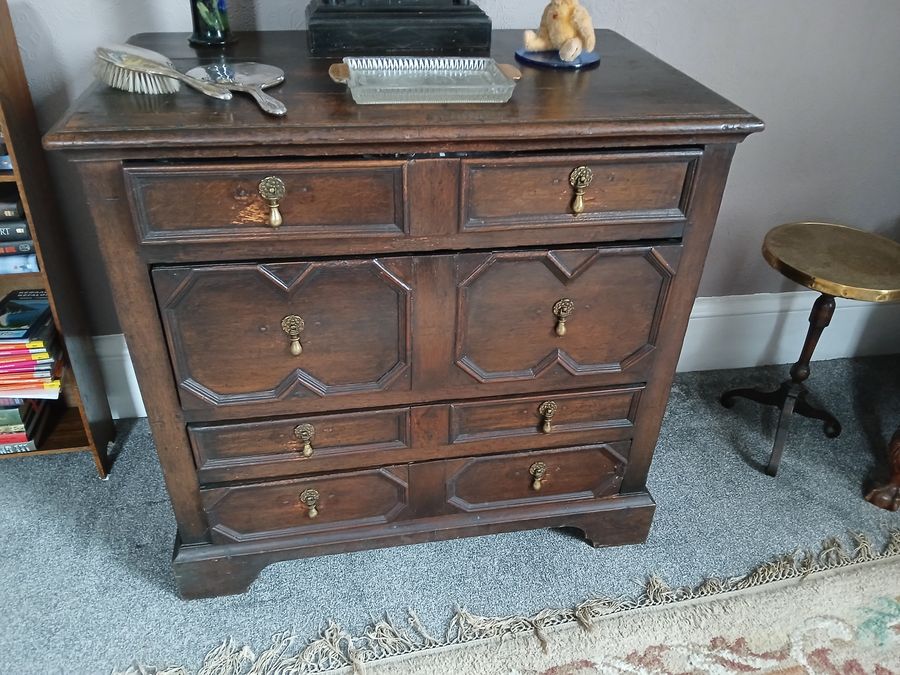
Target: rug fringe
[337,650]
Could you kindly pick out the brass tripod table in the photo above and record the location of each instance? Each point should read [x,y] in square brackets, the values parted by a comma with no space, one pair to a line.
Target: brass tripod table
[836,261]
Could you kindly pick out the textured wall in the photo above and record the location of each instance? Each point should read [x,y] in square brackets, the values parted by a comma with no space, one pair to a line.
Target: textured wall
[823,74]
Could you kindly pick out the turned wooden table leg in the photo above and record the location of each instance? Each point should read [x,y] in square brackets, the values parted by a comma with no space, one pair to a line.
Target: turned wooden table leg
[790,397]
[888,496]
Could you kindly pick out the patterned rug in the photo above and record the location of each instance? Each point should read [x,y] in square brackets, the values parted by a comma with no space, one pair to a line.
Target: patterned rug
[836,612]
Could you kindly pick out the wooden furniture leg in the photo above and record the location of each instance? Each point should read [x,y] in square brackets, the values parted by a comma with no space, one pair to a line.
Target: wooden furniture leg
[790,397]
[887,496]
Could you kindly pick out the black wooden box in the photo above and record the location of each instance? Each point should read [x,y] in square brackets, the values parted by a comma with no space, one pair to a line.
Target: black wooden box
[379,27]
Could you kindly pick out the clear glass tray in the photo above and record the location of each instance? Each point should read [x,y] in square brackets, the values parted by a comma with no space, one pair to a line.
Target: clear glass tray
[426,79]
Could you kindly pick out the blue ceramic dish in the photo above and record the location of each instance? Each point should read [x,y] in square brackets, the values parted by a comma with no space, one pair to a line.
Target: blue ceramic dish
[550,59]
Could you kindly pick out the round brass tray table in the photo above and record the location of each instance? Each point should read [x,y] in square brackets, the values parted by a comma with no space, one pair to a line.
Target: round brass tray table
[836,261]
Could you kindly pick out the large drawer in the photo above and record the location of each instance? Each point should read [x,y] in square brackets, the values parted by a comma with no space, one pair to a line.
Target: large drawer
[253,340]
[361,439]
[216,211]
[246,334]
[568,314]
[222,202]
[307,505]
[339,505]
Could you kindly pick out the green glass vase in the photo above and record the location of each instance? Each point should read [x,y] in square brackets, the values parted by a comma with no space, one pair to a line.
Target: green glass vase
[210,18]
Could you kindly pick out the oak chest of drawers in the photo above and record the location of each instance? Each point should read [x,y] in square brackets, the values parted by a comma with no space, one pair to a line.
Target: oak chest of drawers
[457,320]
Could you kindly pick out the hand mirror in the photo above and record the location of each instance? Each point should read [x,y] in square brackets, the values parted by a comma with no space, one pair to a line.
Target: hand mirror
[250,78]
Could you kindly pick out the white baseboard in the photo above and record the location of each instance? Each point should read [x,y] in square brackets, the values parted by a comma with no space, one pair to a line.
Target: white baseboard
[736,331]
[118,374]
[742,331]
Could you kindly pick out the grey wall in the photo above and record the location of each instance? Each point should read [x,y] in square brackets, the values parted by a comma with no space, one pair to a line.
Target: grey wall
[823,74]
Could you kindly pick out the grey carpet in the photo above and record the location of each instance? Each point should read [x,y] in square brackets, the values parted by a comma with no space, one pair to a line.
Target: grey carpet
[84,564]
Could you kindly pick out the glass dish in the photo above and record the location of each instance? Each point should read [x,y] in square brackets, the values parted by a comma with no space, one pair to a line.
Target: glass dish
[426,79]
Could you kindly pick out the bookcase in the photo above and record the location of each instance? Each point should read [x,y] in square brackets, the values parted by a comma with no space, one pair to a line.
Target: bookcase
[83,422]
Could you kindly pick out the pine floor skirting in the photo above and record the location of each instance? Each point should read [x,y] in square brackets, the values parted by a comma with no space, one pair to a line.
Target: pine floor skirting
[735,331]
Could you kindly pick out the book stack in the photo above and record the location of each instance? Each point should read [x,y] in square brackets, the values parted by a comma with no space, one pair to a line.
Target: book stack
[23,424]
[30,369]
[16,245]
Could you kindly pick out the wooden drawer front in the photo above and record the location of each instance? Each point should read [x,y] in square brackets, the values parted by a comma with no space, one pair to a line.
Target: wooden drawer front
[224,326]
[536,192]
[507,330]
[247,512]
[585,417]
[274,448]
[222,202]
[508,480]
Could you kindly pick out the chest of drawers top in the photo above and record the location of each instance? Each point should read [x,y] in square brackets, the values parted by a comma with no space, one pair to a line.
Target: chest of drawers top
[631,98]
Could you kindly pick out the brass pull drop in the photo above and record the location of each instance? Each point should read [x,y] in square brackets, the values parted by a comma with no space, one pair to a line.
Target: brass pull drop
[580,179]
[305,433]
[272,190]
[561,310]
[547,411]
[310,499]
[293,325]
[538,471]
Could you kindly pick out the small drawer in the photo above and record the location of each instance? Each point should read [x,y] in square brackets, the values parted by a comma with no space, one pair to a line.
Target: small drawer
[312,444]
[589,472]
[549,419]
[222,203]
[308,505]
[545,192]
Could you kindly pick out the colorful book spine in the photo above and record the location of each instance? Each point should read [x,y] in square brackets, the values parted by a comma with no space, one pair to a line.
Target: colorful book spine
[28,358]
[11,448]
[26,367]
[19,264]
[17,248]
[11,210]
[43,390]
[14,230]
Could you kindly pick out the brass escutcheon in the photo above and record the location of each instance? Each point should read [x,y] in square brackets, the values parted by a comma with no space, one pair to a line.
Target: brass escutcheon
[547,411]
[305,433]
[310,499]
[293,325]
[561,310]
[272,190]
[538,471]
[580,179]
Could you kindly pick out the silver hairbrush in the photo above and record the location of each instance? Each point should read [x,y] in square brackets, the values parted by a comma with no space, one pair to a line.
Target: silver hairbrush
[147,72]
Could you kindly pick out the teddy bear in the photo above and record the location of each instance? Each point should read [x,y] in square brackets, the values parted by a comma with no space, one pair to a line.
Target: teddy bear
[565,26]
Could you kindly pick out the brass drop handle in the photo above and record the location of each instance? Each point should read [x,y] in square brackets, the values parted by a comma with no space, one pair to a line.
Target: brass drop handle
[580,179]
[310,499]
[562,309]
[305,433]
[547,411]
[271,189]
[538,471]
[293,325]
